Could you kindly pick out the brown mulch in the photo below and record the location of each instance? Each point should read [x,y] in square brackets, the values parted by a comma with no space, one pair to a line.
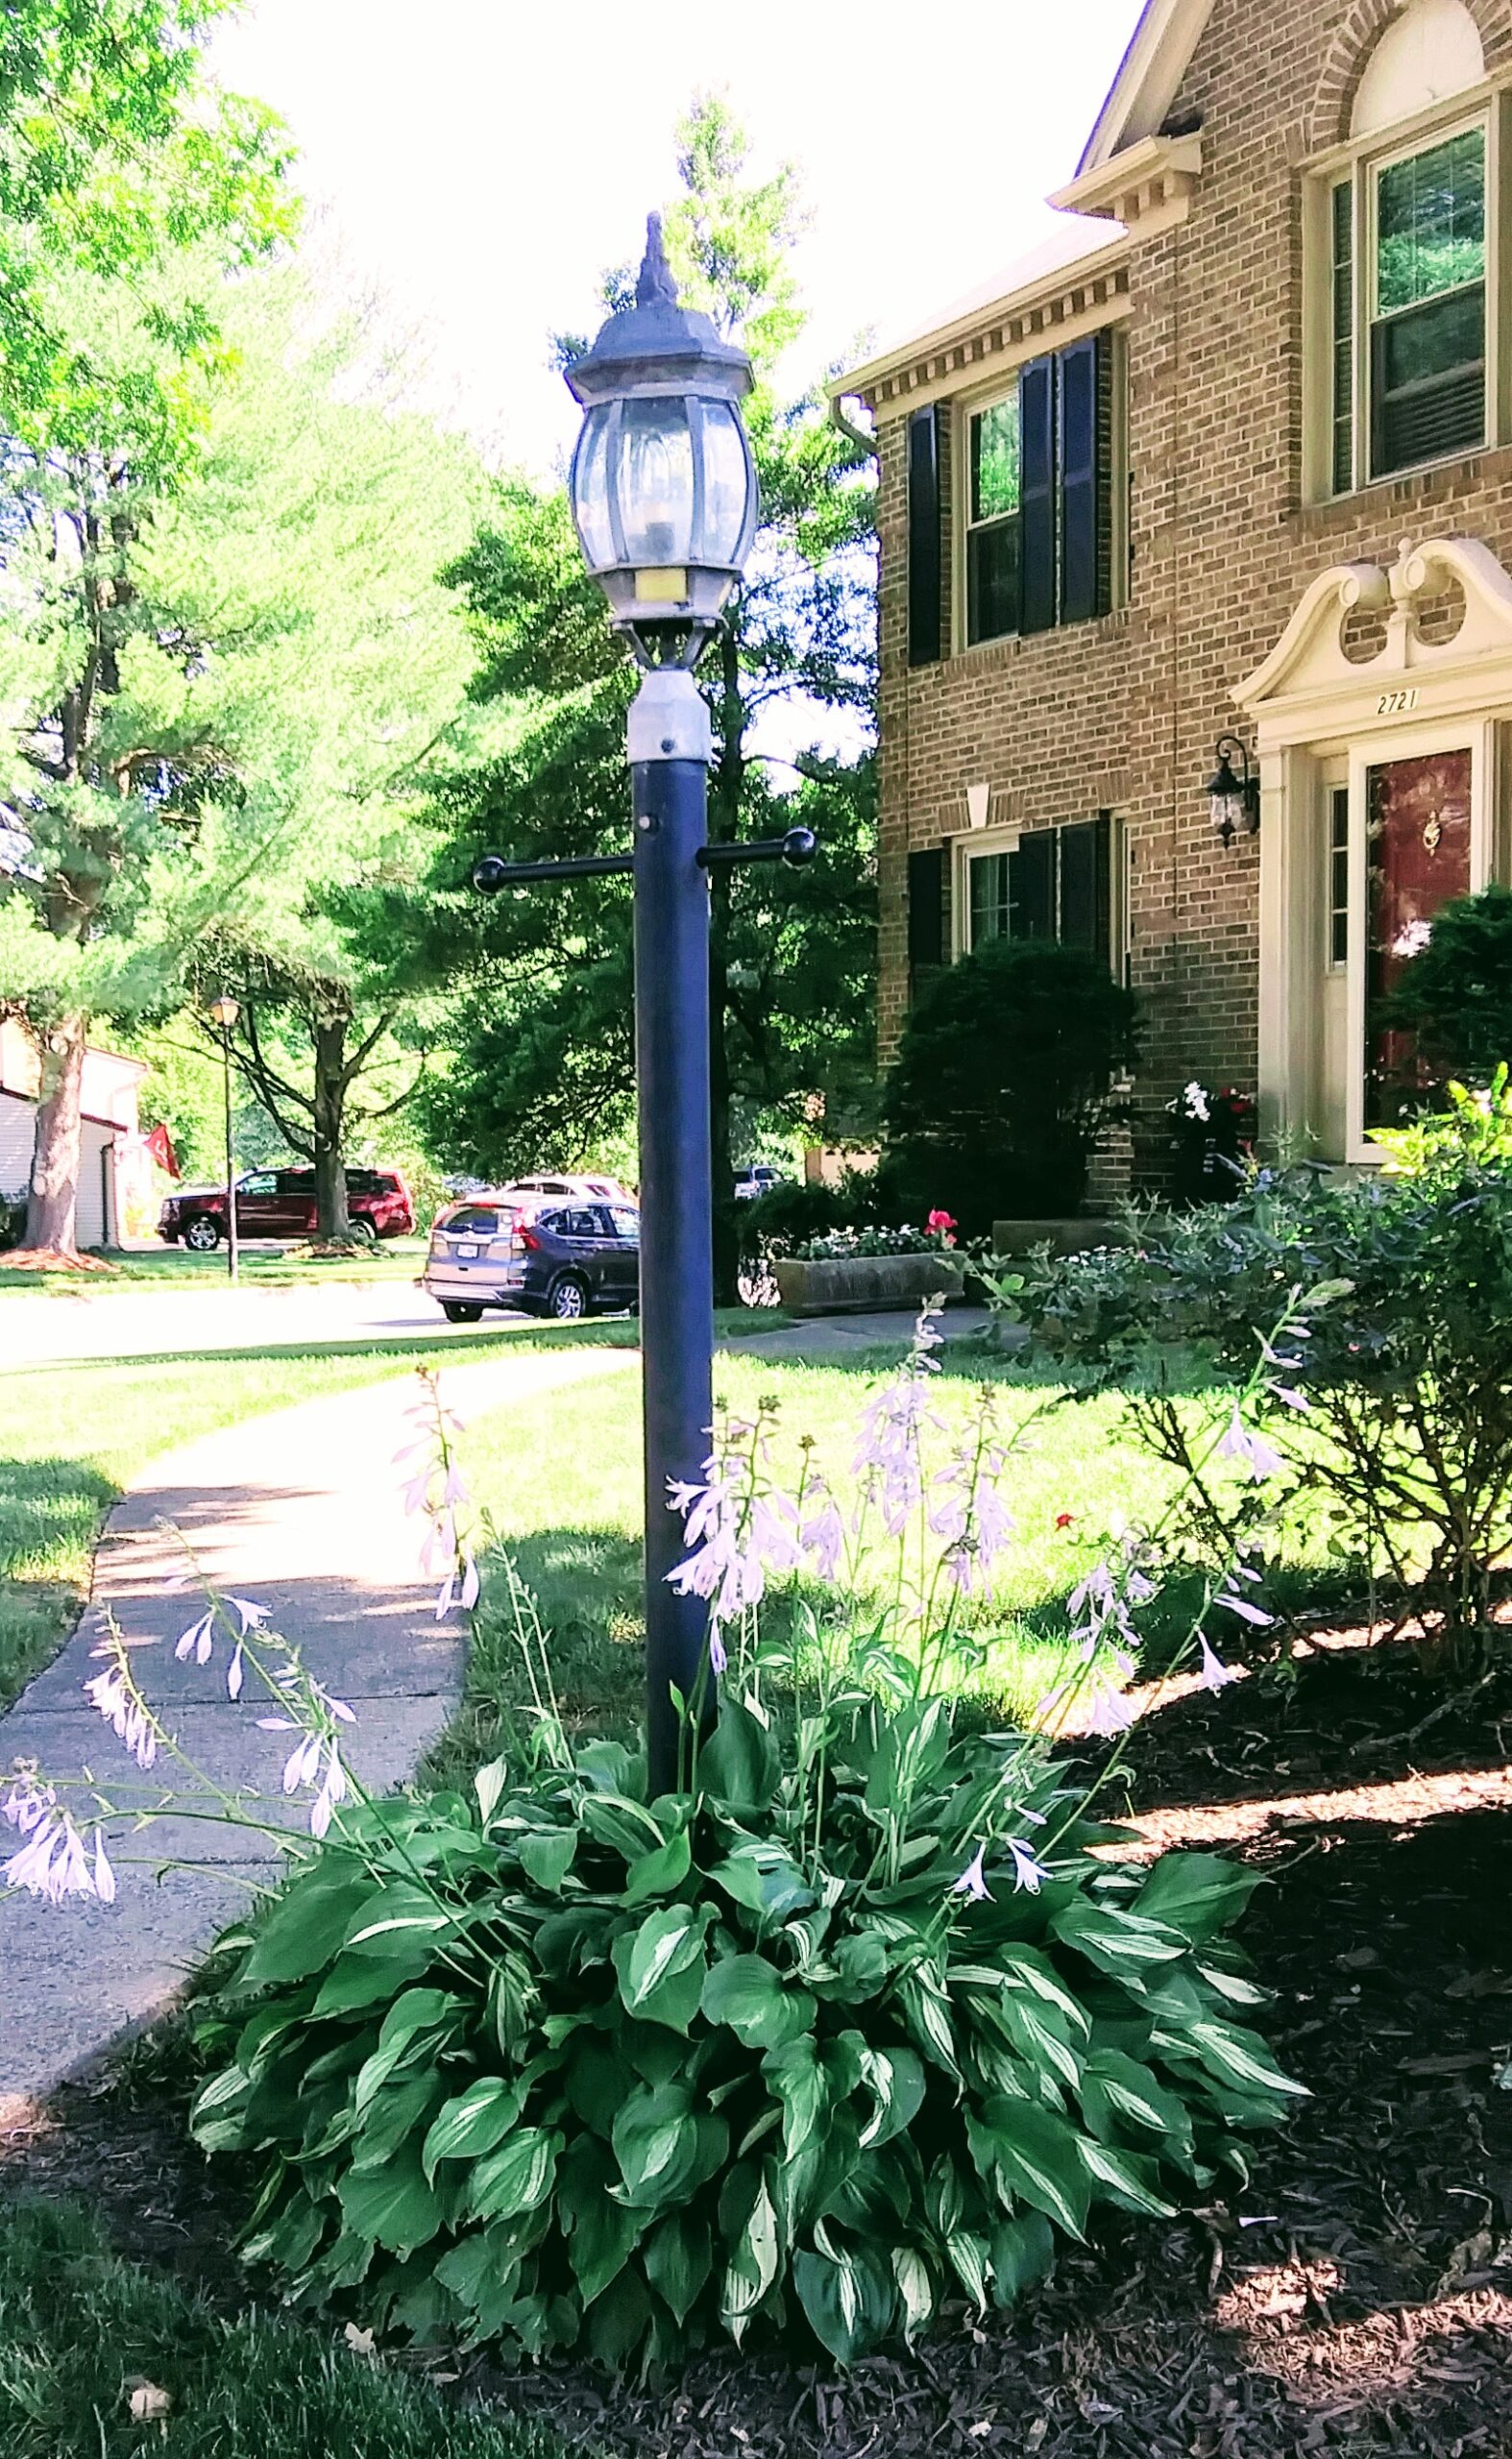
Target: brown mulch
[1354,2299]
[53,1259]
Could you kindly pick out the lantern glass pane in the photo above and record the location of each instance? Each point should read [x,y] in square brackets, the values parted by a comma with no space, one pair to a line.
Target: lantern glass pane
[591,490]
[727,479]
[654,482]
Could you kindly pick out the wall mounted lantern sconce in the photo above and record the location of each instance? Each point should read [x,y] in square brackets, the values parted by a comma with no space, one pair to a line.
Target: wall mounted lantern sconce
[1235,802]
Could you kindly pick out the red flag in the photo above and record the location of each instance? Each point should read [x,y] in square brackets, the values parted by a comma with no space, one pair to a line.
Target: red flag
[160,1144]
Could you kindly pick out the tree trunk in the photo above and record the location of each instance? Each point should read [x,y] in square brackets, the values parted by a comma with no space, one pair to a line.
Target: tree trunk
[724,826]
[332,1220]
[52,1199]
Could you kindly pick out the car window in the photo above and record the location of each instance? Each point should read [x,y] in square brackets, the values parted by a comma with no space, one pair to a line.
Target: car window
[553,1221]
[295,1181]
[261,1182]
[624,1223]
[579,1224]
[475,1221]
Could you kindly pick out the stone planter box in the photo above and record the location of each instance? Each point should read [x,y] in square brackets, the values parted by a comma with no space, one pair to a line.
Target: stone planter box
[859,1284]
[1064,1237]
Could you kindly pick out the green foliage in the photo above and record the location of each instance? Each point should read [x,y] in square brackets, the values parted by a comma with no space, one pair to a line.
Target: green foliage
[564,2066]
[1457,993]
[1001,1081]
[1408,1373]
[79,2327]
[1474,1130]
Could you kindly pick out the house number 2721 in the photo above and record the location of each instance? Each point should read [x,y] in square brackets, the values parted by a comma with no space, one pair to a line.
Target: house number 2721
[1395,704]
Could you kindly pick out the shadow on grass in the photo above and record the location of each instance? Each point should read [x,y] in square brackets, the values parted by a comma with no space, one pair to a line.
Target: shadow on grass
[42,1503]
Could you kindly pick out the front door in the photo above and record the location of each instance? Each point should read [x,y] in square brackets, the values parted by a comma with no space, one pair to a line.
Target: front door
[1416,858]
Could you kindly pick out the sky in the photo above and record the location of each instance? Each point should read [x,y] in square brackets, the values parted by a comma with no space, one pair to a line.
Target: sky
[484,161]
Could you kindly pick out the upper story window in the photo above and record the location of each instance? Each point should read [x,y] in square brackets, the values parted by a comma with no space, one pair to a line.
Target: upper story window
[1036,497]
[1410,242]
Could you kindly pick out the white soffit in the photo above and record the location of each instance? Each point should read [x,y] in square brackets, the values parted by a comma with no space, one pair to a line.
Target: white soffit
[1151,68]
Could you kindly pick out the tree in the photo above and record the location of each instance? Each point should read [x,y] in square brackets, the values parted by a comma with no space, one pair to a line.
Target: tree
[284,661]
[127,188]
[544,1060]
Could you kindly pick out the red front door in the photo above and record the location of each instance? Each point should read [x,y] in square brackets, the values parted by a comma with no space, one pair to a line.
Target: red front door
[1418,857]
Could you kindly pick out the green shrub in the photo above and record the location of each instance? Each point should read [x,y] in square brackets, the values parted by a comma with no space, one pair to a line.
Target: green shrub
[1002,1082]
[564,2065]
[1407,1432]
[1457,993]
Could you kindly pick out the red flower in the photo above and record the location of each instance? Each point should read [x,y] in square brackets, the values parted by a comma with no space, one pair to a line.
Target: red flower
[941,1223]
[1065,1518]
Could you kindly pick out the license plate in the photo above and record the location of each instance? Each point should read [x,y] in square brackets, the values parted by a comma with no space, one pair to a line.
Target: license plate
[467,1247]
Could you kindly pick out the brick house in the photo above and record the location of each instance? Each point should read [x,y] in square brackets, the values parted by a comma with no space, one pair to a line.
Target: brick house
[1231,456]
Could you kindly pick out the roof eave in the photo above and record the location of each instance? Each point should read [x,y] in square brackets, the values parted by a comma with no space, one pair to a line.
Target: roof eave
[1149,74]
[863,380]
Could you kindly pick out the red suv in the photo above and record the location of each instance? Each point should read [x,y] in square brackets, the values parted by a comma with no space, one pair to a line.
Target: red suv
[281,1203]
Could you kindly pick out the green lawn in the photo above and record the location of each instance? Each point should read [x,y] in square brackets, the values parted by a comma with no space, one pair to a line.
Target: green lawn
[174,1267]
[75,1434]
[81,2332]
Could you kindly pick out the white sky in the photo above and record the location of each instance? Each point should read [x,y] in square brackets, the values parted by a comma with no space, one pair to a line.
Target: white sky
[485,160]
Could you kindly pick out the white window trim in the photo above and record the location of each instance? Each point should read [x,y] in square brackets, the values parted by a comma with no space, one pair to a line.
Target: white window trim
[1007,840]
[1360,162]
[967,850]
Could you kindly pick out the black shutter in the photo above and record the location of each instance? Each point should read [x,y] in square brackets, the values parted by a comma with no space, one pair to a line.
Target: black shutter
[923,538]
[1086,886]
[1032,888]
[1037,462]
[927,933]
[1085,434]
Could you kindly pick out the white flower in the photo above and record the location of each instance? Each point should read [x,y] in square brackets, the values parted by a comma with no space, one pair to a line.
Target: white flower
[1246,1612]
[1215,1672]
[124,1713]
[1242,1443]
[1028,1873]
[972,1881]
[198,1639]
[1109,1711]
[233,1673]
[104,1875]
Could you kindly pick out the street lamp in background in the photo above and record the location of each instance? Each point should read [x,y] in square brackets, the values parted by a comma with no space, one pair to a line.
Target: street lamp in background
[664,500]
[224,1012]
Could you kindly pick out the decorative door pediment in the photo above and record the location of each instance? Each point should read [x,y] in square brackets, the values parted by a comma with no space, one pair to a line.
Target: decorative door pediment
[1309,665]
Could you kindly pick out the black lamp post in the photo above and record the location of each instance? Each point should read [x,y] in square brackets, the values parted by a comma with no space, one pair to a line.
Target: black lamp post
[1235,802]
[224,1012]
[664,500]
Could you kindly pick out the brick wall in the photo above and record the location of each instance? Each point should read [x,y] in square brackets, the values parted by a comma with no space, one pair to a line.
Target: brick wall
[1123,713]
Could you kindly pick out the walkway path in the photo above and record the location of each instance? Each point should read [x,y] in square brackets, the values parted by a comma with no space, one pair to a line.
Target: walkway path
[301,1511]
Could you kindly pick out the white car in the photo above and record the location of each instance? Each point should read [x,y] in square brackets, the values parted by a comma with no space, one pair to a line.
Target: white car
[595,1190]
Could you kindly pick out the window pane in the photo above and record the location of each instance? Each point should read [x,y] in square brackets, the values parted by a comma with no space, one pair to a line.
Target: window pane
[994,461]
[1431,223]
[1339,875]
[987,879]
[992,581]
[1343,337]
[1427,376]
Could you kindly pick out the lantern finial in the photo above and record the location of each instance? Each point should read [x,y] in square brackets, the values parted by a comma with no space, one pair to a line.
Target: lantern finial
[655,288]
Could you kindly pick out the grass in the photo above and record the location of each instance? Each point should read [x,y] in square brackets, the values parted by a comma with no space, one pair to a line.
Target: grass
[268,1267]
[81,2329]
[76,1434]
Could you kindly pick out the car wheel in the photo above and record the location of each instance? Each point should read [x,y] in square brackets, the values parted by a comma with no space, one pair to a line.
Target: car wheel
[567,1300]
[361,1230]
[203,1235]
[459,1310]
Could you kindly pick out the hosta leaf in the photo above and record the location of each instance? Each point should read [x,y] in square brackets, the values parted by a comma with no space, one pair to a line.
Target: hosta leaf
[603,2231]
[849,2299]
[1242,2057]
[656,2143]
[1040,2157]
[517,2177]
[483,2278]
[1118,2087]
[1236,1986]
[307,1923]
[660,1872]
[473,2123]
[967,2256]
[1025,1968]
[752,2266]
[547,1855]
[765,1878]
[926,2013]
[1119,1943]
[917,2293]
[1022,2251]
[393,2204]
[399,1911]
[896,2080]
[661,1966]
[400,2110]
[218,2118]
[748,1995]
[616,2318]
[797,2079]
[677,2262]
[738,1764]
[1198,1893]
[1121,2172]
[370,1976]
[625,1826]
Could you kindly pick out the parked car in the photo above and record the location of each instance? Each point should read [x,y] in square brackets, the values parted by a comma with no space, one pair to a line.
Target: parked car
[597,1190]
[756,1179]
[281,1203]
[520,1249]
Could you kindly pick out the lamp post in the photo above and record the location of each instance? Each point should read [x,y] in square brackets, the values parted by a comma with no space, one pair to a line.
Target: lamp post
[224,1012]
[664,500]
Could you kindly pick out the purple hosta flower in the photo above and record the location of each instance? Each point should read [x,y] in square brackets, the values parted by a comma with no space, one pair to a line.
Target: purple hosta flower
[718,1654]
[1288,1396]
[111,1694]
[233,1673]
[1242,1443]
[460,1586]
[54,1864]
[972,1882]
[1213,1672]
[1028,1873]
[26,1804]
[200,1637]
[303,1762]
[1107,1711]
[333,1790]
[1100,1608]
[723,1561]
[822,1537]
[438,1552]
[1246,1612]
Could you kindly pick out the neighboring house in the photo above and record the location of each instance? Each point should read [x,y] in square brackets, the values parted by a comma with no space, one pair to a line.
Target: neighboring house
[1231,456]
[112,1158]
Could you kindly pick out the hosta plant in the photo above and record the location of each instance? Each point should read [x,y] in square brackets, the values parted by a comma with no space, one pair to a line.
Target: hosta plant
[564,2065]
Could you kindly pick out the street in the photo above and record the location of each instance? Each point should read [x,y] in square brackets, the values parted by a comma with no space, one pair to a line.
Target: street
[188,1322]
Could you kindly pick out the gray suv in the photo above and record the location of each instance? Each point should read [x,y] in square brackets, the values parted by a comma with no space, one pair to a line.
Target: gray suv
[565,1259]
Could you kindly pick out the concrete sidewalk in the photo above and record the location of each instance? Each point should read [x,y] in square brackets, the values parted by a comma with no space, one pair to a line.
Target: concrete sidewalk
[301,1512]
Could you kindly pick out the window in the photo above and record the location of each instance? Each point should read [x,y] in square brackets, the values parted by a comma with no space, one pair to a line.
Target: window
[1338,875]
[1038,496]
[1412,333]
[1054,883]
[924,558]
[624,1223]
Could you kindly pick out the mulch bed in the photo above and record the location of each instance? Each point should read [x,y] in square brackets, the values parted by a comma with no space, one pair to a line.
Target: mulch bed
[1356,2300]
